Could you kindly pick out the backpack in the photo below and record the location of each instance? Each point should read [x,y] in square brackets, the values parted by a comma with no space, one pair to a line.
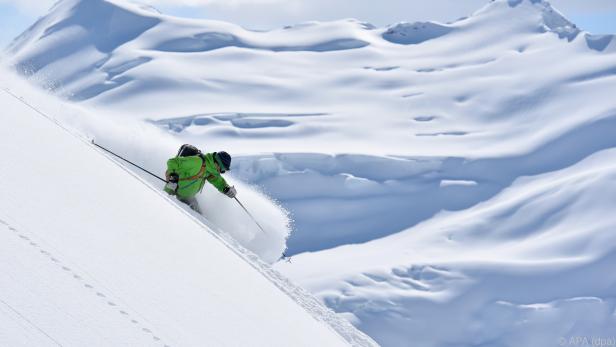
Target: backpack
[186,175]
[188,151]
[185,167]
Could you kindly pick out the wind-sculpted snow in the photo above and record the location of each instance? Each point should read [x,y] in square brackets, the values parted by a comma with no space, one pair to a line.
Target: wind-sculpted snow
[345,199]
[415,33]
[599,42]
[211,41]
[529,267]
[362,198]
[237,120]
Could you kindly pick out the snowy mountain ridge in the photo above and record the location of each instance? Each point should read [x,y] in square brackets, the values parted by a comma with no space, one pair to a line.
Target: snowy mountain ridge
[106,25]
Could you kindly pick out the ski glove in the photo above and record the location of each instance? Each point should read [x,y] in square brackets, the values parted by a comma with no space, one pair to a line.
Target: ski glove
[230,192]
[172,182]
[171,186]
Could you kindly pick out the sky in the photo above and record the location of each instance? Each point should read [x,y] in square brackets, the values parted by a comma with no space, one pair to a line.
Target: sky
[595,16]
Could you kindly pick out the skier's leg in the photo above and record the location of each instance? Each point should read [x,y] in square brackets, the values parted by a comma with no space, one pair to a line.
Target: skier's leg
[193,203]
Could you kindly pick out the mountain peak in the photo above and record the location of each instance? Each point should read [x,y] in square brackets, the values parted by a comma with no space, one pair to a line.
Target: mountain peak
[102,24]
[536,15]
[109,22]
[545,16]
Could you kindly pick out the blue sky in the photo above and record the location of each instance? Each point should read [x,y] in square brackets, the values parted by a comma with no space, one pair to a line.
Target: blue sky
[599,23]
[12,22]
[596,16]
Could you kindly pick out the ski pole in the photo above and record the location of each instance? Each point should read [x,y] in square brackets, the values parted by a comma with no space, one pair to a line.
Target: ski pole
[126,160]
[253,218]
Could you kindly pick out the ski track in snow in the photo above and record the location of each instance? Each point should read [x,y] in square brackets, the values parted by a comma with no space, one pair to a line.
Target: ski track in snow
[309,302]
[87,282]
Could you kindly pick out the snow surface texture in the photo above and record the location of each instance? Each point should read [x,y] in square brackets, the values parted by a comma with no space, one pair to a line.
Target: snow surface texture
[506,119]
[527,268]
[92,255]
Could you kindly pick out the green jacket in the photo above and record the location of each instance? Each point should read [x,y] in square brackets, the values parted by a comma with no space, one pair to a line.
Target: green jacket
[193,173]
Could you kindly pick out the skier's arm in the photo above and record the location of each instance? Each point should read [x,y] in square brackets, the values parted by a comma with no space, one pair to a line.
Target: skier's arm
[172,166]
[219,182]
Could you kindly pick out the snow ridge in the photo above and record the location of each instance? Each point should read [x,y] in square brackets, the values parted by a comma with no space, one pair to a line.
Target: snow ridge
[415,33]
[553,20]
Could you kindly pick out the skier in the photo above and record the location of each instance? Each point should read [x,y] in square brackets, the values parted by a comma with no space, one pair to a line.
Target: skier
[187,172]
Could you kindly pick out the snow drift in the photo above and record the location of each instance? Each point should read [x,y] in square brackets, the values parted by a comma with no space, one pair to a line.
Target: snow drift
[528,267]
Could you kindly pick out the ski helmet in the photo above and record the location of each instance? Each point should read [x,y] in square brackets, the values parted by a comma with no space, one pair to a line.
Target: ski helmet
[224,160]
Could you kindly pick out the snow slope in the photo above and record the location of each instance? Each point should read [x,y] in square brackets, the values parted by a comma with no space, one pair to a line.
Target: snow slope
[150,148]
[449,182]
[92,255]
